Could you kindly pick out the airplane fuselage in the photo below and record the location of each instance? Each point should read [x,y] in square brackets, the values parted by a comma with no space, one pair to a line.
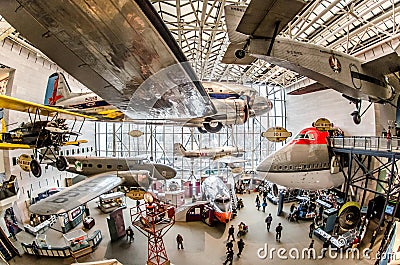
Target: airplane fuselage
[87,166]
[303,163]
[217,194]
[333,69]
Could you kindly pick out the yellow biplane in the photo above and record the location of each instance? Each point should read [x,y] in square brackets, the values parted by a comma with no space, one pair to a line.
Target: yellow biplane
[36,134]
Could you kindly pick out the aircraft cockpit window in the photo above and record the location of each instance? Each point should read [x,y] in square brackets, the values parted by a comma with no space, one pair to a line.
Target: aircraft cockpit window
[119,167]
[67,152]
[221,200]
[90,165]
[109,166]
[310,136]
[84,165]
[99,165]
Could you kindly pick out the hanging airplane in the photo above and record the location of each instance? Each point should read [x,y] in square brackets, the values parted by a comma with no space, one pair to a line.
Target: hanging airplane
[212,153]
[49,134]
[132,62]
[253,34]
[217,194]
[104,174]
[303,163]
[235,104]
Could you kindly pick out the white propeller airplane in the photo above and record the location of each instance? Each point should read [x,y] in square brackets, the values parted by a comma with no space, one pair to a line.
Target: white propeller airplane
[212,153]
[253,33]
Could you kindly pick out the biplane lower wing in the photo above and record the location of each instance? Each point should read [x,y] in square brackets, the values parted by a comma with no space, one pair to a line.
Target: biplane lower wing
[76,195]
[16,104]
[9,146]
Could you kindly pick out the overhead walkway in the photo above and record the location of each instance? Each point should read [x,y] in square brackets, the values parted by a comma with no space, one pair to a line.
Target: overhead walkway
[366,143]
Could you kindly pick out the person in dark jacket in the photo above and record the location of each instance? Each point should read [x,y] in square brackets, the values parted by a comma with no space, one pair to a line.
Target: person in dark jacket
[278,231]
[240,245]
[268,221]
[231,232]
[179,241]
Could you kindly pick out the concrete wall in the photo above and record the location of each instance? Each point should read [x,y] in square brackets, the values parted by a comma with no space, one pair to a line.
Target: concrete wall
[27,80]
[303,110]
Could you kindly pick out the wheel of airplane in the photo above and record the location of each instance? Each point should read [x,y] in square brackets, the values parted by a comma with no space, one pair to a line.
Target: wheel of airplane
[201,130]
[349,215]
[356,117]
[240,54]
[36,169]
[61,163]
[213,126]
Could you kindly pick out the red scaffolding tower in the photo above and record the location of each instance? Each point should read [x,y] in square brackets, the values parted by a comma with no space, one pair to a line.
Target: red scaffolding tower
[154,219]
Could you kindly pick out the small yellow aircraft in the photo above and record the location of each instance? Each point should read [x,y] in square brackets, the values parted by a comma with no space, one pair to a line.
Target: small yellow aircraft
[50,133]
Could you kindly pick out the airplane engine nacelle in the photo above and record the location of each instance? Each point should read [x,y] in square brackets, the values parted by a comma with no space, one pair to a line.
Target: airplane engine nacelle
[231,111]
[261,106]
[136,178]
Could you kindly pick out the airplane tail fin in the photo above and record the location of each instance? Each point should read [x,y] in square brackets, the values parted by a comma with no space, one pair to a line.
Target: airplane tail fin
[57,89]
[179,149]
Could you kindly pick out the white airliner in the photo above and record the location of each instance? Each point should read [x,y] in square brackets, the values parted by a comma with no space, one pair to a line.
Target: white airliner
[253,33]
[303,163]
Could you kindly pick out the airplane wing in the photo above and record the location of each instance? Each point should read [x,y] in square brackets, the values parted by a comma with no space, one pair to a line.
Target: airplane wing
[122,51]
[76,195]
[8,146]
[230,160]
[16,104]
[262,19]
[262,16]
[387,64]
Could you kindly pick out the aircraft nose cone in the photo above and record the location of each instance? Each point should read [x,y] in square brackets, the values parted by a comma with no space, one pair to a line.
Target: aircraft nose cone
[223,217]
[266,164]
[261,105]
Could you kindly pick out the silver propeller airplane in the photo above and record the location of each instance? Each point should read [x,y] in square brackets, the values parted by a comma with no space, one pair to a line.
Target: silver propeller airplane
[128,57]
[104,174]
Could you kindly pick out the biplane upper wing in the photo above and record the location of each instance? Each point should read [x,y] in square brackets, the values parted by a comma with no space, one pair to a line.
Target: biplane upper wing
[16,104]
[122,51]
[76,195]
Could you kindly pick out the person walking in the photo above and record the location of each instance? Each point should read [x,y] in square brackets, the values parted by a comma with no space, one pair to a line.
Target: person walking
[257,200]
[179,241]
[229,245]
[325,247]
[129,234]
[229,257]
[312,227]
[311,249]
[240,245]
[35,249]
[268,221]
[278,231]
[264,204]
[231,232]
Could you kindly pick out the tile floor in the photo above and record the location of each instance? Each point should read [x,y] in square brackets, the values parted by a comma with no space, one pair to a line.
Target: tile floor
[203,244]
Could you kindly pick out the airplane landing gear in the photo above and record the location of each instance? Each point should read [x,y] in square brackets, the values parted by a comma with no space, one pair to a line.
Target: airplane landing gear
[201,130]
[35,168]
[240,54]
[61,163]
[213,126]
[356,117]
